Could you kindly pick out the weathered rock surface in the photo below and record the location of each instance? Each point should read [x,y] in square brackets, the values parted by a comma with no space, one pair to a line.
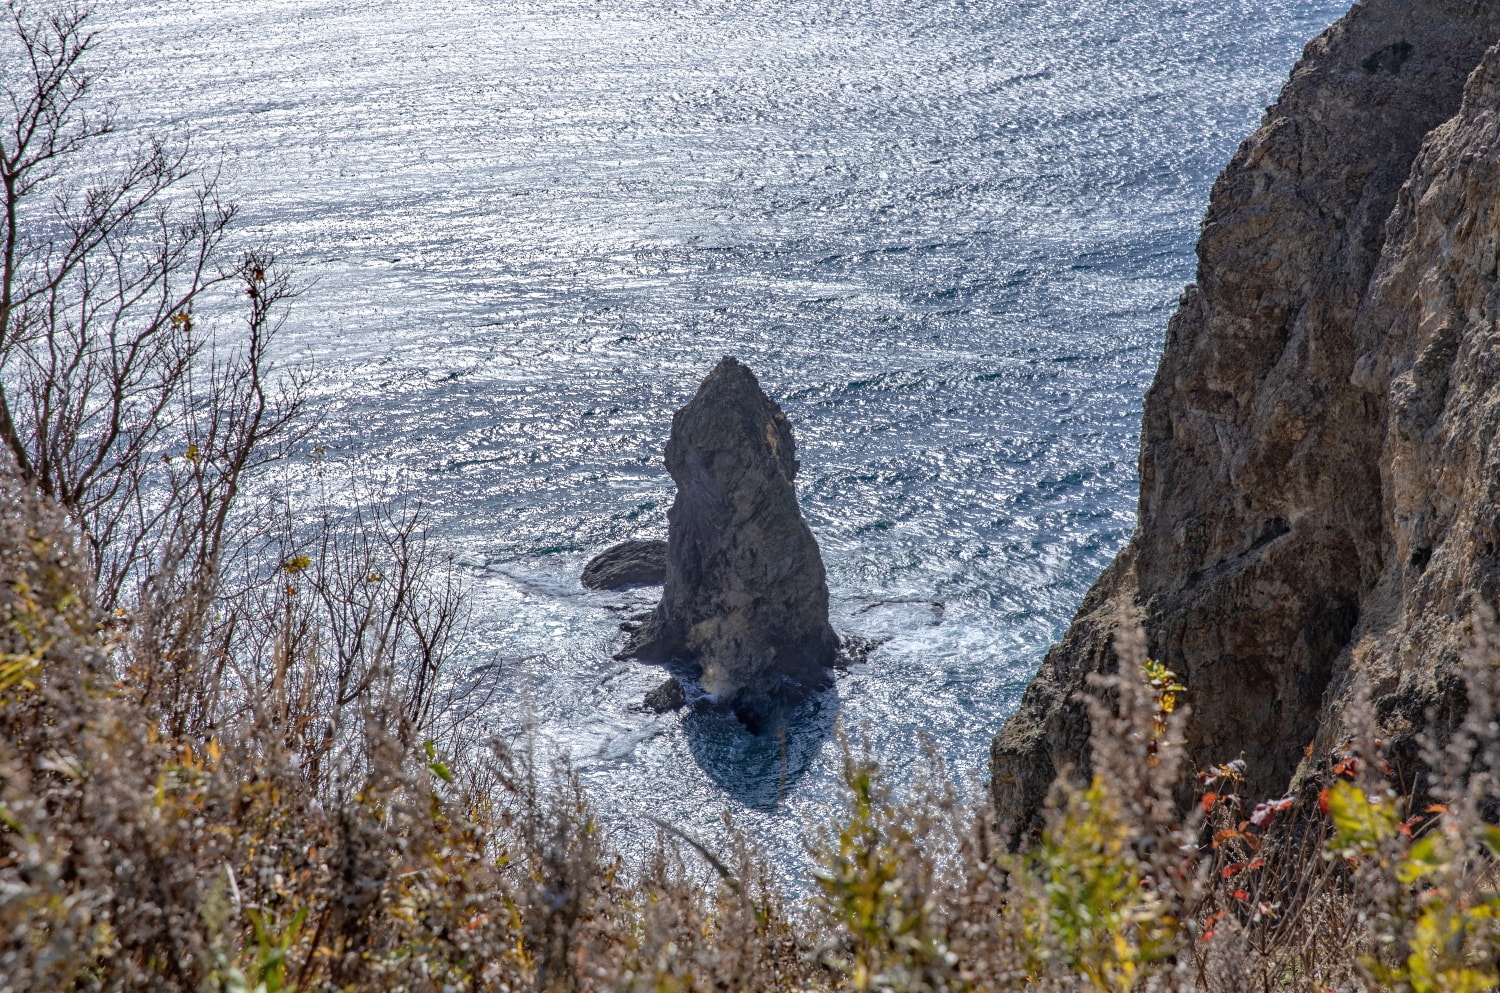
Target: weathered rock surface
[1428,363]
[630,563]
[1318,485]
[745,595]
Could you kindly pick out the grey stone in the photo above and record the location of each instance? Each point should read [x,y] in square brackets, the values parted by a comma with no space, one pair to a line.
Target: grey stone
[630,563]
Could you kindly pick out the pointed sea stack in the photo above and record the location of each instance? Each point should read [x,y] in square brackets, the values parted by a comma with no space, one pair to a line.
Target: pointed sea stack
[745,596]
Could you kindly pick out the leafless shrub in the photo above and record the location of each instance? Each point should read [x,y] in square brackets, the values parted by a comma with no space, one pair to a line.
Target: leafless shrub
[114,403]
[323,614]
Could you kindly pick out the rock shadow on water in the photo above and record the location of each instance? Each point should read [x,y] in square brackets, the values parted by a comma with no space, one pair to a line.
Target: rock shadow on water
[759,768]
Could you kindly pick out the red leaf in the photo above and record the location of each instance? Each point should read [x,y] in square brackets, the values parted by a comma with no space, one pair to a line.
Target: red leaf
[1323,802]
[1225,836]
[1209,799]
[1230,870]
[1241,895]
[1266,812]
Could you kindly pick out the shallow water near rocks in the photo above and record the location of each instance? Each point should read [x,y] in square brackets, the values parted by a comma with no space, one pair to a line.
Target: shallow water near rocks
[946,235]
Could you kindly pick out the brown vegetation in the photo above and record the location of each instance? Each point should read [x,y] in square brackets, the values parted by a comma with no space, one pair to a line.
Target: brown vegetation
[262,855]
[227,763]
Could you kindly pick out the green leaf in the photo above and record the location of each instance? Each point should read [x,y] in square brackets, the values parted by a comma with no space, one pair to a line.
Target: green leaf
[1489,837]
[1422,859]
[1362,823]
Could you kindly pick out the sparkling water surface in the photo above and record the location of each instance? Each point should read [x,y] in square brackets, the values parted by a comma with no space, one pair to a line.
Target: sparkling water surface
[946,235]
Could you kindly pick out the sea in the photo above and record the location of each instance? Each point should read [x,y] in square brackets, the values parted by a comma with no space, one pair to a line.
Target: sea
[946,235]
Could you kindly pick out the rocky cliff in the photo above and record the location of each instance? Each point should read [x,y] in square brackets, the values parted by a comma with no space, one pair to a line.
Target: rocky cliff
[1319,491]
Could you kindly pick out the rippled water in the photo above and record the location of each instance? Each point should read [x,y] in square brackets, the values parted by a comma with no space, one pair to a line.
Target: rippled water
[947,235]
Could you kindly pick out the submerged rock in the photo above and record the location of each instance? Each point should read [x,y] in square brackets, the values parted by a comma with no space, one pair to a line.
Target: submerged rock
[630,563]
[745,594]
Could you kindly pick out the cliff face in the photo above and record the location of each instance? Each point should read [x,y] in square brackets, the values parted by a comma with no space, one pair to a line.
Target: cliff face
[1428,363]
[1318,493]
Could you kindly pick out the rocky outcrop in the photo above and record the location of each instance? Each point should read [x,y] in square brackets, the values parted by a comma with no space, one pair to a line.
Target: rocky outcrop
[667,697]
[745,595]
[630,563]
[1318,492]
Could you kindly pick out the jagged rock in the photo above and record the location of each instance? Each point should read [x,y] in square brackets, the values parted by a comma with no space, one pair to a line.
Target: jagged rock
[635,622]
[666,697]
[855,649]
[745,594]
[1316,467]
[630,563]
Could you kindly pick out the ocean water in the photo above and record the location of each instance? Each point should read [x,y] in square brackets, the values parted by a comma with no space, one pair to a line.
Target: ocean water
[947,235]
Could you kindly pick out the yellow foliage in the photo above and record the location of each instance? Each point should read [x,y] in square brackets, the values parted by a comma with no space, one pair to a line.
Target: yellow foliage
[1089,909]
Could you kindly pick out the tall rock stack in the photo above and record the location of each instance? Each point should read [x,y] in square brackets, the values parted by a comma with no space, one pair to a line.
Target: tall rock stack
[1318,496]
[746,596]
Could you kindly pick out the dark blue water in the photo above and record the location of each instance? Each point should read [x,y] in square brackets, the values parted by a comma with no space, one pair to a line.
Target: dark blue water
[947,236]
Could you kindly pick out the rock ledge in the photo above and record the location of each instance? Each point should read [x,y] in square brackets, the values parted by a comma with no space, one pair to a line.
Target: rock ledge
[630,563]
